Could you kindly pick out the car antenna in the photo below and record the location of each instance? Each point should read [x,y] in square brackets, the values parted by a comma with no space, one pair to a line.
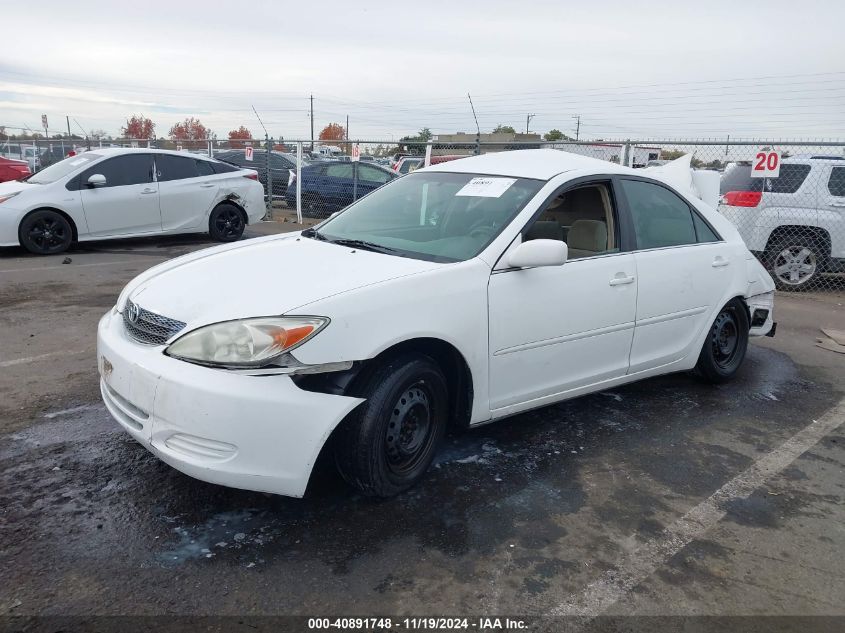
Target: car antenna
[477,128]
[84,133]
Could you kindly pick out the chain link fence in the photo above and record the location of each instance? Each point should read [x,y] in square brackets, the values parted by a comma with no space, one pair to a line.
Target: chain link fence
[791,218]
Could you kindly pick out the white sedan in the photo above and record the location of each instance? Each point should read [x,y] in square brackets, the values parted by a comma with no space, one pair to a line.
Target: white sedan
[461,294]
[119,193]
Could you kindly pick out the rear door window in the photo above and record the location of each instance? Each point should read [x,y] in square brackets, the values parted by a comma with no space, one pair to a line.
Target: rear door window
[792,176]
[339,170]
[371,174]
[661,218]
[169,167]
[204,168]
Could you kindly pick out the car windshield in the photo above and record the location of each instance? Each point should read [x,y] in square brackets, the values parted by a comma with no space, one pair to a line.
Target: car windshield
[64,167]
[434,216]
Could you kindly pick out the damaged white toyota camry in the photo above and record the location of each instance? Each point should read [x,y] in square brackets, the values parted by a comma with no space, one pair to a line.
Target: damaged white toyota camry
[459,294]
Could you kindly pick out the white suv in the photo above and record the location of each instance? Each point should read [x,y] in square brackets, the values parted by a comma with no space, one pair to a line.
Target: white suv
[795,223]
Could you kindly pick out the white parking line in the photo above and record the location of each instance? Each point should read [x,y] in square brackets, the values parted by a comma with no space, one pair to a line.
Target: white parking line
[642,562]
[71,266]
[32,359]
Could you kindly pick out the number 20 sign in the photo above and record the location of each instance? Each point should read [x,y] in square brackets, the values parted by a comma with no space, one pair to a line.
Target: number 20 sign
[766,164]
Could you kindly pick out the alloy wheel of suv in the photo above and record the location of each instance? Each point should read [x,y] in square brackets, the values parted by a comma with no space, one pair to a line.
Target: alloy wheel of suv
[794,264]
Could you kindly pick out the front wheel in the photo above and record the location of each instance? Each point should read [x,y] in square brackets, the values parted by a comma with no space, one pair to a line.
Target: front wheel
[226,223]
[385,445]
[45,232]
[726,343]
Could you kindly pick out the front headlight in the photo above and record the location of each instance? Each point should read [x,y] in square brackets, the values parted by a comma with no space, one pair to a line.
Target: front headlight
[246,342]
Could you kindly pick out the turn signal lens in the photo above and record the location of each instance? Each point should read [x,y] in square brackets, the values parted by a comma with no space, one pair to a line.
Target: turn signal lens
[245,343]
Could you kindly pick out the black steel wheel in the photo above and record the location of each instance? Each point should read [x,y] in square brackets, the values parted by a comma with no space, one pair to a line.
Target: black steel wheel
[226,223]
[45,232]
[726,343]
[388,442]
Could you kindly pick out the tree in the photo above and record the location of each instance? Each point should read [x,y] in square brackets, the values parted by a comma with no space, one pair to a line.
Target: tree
[100,134]
[139,126]
[237,137]
[671,154]
[503,129]
[556,135]
[333,132]
[425,134]
[189,130]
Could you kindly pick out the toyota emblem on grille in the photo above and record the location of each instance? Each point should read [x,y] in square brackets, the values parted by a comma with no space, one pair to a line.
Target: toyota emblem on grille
[132,312]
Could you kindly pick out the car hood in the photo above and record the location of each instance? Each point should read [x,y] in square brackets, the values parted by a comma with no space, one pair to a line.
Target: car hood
[13,186]
[262,277]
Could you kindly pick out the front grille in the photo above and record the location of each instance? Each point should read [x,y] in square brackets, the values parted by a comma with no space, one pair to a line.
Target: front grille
[149,327]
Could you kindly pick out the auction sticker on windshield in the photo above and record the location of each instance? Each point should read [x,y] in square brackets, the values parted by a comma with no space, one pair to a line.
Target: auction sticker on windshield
[486,187]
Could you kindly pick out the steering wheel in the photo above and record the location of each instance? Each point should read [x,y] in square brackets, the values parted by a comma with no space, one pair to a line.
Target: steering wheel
[480,229]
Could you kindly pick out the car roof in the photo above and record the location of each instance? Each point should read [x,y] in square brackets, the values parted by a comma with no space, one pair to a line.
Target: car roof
[541,164]
[117,151]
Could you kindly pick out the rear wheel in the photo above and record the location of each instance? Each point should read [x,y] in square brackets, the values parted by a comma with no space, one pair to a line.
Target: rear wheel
[795,263]
[226,223]
[45,232]
[726,343]
[385,446]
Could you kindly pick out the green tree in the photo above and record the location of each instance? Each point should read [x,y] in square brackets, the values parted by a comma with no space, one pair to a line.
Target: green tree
[425,134]
[504,129]
[556,135]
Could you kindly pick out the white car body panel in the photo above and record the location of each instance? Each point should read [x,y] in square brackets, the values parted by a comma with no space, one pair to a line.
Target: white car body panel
[617,318]
[130,210]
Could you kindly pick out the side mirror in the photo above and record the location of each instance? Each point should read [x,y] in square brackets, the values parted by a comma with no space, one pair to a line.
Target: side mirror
[96,180]
[536,253]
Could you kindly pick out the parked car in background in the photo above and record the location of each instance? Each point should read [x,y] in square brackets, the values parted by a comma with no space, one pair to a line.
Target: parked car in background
[407,164]
[794,223]
[18,151]
[458,295]
[56,152]
[13,169]
[329,186]
[109,193]
[281,166]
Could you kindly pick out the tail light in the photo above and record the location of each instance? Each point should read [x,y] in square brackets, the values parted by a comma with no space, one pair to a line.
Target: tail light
[743,198]
[251,176]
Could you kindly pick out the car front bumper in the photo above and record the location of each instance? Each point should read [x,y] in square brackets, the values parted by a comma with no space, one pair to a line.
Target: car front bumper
[258,433]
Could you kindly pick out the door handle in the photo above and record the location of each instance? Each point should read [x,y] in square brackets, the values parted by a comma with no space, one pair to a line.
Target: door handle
[206,185]
[720,262]
[148,190]
[622,280]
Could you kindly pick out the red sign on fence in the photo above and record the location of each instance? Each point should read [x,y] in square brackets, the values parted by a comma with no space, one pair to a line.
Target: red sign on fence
[248,152]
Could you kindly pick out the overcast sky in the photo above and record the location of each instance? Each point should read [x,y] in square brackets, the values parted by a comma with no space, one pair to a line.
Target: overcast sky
[631,69]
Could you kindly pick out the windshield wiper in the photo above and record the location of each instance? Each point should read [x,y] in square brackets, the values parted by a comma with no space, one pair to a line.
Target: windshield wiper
[314,234]
[363,245]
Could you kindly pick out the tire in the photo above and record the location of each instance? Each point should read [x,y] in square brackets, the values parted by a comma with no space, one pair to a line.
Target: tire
[388,442]
[45,232]
[226,223]
[795,263]
[312,205]
[726,344]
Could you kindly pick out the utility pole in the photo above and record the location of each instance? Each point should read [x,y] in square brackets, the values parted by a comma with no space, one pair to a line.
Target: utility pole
[67,118]
[528,121]
[727,142]
[577,118]
[312,123]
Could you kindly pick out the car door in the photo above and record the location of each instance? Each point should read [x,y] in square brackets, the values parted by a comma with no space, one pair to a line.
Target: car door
[370,179]
[556,329]
[337,183]
[683,268]
[187,188]
[128,201]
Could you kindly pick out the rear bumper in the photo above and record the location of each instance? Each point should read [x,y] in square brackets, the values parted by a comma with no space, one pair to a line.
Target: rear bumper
[761,310]
[258,433]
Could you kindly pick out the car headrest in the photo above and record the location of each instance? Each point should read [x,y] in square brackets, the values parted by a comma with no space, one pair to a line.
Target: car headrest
[587,235]
[544,230]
